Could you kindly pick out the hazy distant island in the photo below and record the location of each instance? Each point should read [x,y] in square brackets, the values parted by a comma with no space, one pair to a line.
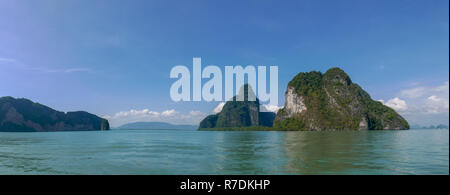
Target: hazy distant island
[155,126]
[314,101]
[440,126]
[23,115]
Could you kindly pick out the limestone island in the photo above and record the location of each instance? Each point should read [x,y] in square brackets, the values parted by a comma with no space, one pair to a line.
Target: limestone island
[240,115]
[314,102]
[23,115]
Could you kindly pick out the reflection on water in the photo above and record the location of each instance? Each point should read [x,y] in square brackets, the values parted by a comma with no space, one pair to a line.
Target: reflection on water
[248,152]
[322,152]
[367,152]
[200,152]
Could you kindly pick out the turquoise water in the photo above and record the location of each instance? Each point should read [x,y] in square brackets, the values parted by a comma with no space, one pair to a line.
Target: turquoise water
[220,152]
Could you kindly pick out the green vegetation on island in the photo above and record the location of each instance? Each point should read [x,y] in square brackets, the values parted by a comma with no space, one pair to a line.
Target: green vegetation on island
[239,115]
[314,101]
[23,115]
[331,101]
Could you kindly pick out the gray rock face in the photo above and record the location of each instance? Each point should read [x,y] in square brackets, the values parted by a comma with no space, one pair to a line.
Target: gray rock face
[295,104]
[363,124]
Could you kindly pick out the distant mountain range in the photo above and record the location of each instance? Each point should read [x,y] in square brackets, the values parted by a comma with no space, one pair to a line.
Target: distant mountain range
[156,126]
[23,115]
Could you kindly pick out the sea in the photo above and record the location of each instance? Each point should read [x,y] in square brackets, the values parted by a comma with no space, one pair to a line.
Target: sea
[182,152]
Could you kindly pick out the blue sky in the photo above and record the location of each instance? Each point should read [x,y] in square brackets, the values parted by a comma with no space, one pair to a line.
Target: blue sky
[113,58]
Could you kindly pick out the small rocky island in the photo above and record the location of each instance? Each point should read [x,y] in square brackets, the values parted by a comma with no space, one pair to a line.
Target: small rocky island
[314,102]
[239,115]
[23,115]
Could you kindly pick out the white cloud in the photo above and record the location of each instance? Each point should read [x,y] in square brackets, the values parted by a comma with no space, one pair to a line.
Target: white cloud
[146,115]
[196,113]
[396,104]
[433,98]
[423,105]
[267,107]
[271,108]
[169,112]
[442,88]
[436,105]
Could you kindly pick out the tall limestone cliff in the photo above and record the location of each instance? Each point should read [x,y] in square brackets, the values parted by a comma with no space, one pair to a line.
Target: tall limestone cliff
[331,101]
[26,116]
[239,114]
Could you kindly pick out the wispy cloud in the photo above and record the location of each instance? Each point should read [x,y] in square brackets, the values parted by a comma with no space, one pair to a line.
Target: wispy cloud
[7,59]
[421,104]
[63,70]
[17,64]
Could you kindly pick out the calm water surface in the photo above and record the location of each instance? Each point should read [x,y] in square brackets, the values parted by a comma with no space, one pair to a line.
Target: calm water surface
[202,152]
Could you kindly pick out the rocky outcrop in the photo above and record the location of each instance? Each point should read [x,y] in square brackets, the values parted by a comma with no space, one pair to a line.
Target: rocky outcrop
[239,114]
[294,103]
[331,101]
[22,115]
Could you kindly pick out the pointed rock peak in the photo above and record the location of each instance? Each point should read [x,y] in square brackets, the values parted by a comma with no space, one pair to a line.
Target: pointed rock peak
[246,93]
